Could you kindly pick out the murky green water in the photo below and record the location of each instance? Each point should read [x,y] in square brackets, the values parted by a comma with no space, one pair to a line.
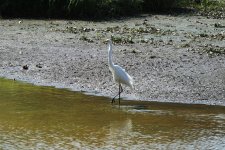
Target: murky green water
[33,117]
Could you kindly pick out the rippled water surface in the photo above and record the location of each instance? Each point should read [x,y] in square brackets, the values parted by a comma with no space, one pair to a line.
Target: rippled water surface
[34,117]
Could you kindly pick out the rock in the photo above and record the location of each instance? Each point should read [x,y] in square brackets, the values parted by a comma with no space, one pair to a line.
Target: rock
[39,66]
[25,67]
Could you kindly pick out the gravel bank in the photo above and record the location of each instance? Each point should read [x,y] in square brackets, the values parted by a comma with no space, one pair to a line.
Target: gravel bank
[172,59]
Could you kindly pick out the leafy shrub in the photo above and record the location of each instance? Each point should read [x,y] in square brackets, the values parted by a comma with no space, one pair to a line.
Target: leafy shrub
[103,8]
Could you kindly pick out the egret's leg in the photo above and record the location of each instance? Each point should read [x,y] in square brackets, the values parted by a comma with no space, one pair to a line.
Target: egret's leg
[120,91]
[113,100]
[119,94]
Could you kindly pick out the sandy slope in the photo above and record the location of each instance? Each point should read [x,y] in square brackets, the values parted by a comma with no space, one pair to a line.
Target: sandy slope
[172,59]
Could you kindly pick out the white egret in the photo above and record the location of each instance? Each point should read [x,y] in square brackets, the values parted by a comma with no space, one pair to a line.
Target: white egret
[120,76]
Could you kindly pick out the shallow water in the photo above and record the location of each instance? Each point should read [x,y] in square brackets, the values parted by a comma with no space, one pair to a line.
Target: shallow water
[35,117]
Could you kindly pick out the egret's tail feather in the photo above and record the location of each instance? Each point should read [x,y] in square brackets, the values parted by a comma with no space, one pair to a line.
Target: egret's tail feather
[131,82]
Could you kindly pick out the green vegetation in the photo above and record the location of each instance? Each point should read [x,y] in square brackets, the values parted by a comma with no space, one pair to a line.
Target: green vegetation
[69,8]
[159,5]
[94,8]
[204,5]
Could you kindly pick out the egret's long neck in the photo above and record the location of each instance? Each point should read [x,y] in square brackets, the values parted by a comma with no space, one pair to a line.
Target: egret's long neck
[110,55]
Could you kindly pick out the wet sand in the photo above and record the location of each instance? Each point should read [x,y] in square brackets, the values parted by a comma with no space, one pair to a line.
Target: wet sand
[176,59]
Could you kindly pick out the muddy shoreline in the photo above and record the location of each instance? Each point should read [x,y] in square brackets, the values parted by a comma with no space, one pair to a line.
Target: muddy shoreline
[172,59]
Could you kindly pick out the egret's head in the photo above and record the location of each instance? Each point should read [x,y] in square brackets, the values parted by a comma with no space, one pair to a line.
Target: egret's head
[107,41]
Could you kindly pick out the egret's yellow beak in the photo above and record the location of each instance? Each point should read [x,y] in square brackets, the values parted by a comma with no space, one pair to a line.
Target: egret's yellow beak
[106,41]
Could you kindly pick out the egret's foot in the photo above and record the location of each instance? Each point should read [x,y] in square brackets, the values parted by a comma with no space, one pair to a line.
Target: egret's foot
[113,100]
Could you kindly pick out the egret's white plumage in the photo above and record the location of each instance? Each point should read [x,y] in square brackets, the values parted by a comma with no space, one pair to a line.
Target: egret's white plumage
[119,74]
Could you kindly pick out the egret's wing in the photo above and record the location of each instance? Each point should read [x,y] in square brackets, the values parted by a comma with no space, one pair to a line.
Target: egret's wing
[122,76]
